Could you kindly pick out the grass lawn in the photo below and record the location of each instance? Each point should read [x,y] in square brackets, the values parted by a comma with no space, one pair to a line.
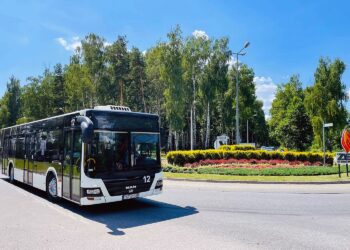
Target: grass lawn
[217,177]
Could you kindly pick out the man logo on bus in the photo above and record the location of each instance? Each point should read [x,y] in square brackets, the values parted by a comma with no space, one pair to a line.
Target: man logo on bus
[130,188]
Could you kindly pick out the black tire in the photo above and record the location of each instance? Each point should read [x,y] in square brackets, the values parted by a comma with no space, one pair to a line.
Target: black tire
[12,175]
[51,188]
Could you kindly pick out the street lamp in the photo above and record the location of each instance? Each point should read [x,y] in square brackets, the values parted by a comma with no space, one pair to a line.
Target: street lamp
[238,137]
[325,125]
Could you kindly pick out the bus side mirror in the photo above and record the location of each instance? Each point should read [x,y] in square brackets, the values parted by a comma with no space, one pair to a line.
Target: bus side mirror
[87,129]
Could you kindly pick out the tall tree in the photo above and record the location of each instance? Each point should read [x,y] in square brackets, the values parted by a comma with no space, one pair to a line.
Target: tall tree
[175,92]
[13,101]
[31,99]
[137,89]
[93,55]
[79,87]
[195,57]
[58,88]
[289,121]
[155,73]
[215,81]
[118,61]
[325,101]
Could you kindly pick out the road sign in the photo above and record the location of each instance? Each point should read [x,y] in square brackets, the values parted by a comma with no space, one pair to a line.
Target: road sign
[345,140]
[326,125]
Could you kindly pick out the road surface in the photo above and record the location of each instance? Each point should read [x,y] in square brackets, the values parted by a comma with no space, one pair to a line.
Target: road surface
[187,215]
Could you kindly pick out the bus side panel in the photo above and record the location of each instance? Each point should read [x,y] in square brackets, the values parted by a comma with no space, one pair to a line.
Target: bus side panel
[39,181]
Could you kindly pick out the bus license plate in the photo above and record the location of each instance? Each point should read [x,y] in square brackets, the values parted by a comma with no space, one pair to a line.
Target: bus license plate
[130,196]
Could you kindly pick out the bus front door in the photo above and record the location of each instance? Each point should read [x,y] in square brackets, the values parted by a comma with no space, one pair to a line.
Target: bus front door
[29,159]
[71,165]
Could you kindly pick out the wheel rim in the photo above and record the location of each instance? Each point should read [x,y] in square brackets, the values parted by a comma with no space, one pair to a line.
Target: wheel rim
[53,187]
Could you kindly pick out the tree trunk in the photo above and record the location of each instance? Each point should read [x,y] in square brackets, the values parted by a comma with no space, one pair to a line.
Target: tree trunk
[183,140]
[121,93]
[143,97]
[170,140]
[207,135]
[176,141]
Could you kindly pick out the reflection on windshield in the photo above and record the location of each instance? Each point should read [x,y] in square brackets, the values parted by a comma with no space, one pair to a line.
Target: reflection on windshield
[110,152]
[145,149]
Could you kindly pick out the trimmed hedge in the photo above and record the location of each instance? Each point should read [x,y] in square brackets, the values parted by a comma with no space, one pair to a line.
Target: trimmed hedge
[237,147]
[304,171]
[186,156]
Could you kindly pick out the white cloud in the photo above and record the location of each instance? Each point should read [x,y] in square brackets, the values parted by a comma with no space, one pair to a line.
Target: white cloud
[200,34]
[74,43]
[232,63]
[107,44]
[265,91]
[70,46]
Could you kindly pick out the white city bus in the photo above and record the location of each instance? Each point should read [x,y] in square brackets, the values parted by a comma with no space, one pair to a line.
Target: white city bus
[92,156]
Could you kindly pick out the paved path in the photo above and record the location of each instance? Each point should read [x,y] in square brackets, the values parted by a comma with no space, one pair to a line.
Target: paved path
[186,216]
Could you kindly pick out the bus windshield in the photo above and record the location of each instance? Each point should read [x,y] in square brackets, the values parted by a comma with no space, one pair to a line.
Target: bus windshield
[114,152]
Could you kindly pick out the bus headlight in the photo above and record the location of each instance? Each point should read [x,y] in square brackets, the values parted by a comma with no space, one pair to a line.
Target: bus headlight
[93,191]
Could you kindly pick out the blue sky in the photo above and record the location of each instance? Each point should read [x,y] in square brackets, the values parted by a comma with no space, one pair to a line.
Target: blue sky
[287,37]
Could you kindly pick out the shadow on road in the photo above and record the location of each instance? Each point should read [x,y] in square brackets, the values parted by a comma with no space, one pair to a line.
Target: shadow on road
[121,215]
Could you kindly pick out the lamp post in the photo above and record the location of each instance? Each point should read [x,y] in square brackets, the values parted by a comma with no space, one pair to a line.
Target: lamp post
[240,53]
[325,125]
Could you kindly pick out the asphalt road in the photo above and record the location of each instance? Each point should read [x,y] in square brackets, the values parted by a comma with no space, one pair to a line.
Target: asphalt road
[187,215]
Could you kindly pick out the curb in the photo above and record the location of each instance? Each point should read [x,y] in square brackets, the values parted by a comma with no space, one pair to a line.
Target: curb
[261,182]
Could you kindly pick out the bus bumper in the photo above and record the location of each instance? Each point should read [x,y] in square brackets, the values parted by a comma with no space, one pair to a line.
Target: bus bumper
[86,201]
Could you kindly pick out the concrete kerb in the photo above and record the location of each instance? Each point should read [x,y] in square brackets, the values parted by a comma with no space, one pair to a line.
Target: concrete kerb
[261,182]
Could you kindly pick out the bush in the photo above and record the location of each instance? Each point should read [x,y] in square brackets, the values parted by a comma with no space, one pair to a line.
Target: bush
[237,147]
[182,157]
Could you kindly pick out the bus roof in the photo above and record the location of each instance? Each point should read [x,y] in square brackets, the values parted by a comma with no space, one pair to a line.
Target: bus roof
[83,112]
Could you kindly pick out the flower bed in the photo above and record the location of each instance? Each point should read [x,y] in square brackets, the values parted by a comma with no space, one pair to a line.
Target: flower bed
[251,163]
[291,171]
[183,157]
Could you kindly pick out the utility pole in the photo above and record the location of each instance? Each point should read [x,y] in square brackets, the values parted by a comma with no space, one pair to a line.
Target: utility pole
[325,125]
[238,137]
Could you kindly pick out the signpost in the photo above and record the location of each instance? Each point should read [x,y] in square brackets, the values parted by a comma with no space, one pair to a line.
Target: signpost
[325,125]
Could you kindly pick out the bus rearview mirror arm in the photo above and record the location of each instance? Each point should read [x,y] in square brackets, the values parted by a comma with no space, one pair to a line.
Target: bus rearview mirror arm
[87,129]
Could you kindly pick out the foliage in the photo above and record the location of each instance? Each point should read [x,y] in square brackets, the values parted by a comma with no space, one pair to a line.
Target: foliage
[178,77]
[12,102]
[182,157]
[290,126]
[325,101]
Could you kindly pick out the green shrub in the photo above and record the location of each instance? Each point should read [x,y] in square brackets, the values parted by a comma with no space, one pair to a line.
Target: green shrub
[182,157]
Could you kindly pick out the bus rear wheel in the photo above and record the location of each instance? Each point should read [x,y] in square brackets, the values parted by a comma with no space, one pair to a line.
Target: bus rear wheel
[51,188]
[12,175]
